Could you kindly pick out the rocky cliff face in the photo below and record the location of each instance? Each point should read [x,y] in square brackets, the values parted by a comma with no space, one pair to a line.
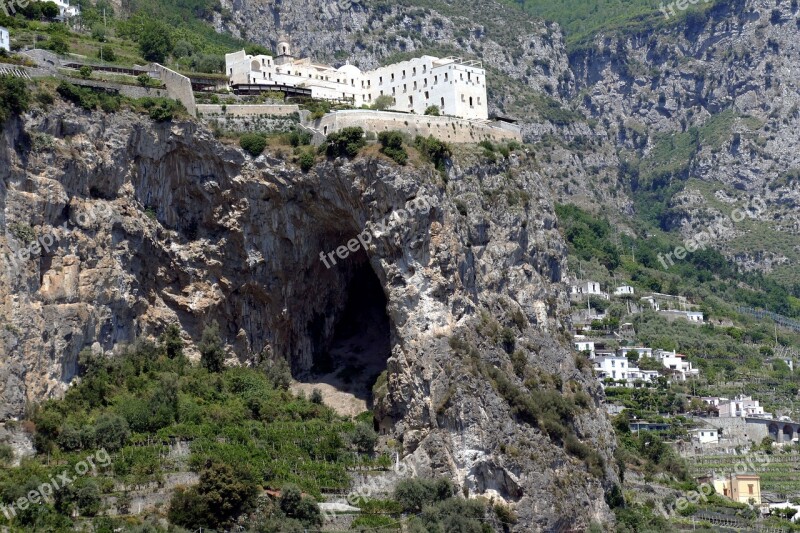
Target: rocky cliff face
[146,224]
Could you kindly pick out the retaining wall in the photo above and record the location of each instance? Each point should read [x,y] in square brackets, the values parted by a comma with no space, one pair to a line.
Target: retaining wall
[450,129]
[179,87]
[244,110]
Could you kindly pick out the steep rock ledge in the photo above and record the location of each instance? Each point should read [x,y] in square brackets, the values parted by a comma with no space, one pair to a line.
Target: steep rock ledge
[156,223]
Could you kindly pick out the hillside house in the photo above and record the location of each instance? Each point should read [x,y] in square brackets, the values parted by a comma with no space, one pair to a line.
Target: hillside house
[624,290]
[740,406]
[5,39]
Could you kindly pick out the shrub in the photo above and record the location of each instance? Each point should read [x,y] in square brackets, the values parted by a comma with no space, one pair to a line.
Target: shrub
[414,494]
[253,143]
[392,146]
[299,138]
[57,44]
[432,110]
[434,150]
[85,72]
[306,160]
[347,142]
[14,97]
[144,80]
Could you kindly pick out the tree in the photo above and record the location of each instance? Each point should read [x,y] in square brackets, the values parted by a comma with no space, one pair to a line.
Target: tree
[347,142]
[58,44]
[85,72]
[222,495]
[212,353]
[316,397]
[111,432]
[107,53]
[364,438]
[632,356]
[50,10]
[154,41]
[172,342]
[383,102]
[392,146]
[432,110]
[253,143]
[296,506]
[14,97]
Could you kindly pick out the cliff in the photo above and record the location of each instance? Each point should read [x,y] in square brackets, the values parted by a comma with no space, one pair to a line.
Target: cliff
[146,224]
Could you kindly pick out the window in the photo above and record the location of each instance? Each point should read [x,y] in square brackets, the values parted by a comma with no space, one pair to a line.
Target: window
[427,96]
[380,80]
[392,76]
[414,72]
[470,104]
[424,69]
[435,79]
[442,106]
[462,98]
[425,82]
[445,76]
[469,76]
[393,91]
[415,86]
[750,489]
[404,74]
[410,101]
[405,88]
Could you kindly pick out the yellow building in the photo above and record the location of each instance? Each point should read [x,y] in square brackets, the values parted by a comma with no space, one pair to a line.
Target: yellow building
[742,488]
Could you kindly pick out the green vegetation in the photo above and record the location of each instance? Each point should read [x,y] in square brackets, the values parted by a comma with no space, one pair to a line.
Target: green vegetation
[14,97]
[392,146]
[432,110]
[345,143]
[253,143]
[244,430]
[383,102]
[436,151]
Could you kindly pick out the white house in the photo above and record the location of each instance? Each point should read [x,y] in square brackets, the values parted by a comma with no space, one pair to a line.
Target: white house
[705,435]
[5,40]
[677,362]
[624,290]
[583,345]
[713,400]
[652,302]
[619,368]
[694,317]
[66,10]
[740,406]
[643,352]
[456,86]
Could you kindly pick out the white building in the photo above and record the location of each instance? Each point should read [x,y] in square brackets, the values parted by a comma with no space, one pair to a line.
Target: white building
[643,352]
[624,290]
[66,10]
[620,369]
[740,406]
[713,400]
[652,302]
[583,345]
[677,362]
[457,87]
[705,435]
[5,40]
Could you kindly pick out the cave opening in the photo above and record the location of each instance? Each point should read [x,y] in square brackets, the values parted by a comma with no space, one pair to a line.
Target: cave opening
[345,368]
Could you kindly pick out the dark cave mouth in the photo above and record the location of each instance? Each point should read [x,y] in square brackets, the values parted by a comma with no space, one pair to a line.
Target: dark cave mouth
[361,343]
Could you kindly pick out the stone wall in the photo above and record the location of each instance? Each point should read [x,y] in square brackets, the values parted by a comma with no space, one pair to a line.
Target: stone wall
[179,87]
[131,91]
[450,129]
[236,110]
